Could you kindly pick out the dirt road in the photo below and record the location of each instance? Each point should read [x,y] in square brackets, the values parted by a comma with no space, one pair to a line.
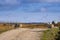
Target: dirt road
[22,34]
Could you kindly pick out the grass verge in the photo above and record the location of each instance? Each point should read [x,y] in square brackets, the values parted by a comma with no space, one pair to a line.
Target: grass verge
[4,29]
[50,34]
[1,31]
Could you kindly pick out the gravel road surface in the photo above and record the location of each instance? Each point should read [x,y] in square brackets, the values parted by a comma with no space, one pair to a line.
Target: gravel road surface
[22,34]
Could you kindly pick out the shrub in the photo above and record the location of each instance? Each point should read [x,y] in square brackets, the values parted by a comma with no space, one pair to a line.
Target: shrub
[50,34]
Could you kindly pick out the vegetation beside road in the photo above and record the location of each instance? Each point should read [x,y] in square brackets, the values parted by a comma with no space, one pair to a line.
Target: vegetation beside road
[50,34]
[1,31]
[58,35]
[4,29]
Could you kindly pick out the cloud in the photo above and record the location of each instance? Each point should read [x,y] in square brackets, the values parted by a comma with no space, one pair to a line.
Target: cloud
[9,4]
[41,7]
[41,0]
[28,5]
[50,0]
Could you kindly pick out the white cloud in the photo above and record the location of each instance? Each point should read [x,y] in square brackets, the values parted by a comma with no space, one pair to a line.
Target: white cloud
[43,9]
[42,0]
[9,2]
[50,0]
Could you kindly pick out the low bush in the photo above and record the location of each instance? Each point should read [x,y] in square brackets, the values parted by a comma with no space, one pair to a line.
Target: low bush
[50,34]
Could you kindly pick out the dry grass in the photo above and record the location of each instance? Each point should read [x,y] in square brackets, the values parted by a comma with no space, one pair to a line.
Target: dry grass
[4,28]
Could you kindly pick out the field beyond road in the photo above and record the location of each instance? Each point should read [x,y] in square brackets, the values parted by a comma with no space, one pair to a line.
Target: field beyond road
[22,34]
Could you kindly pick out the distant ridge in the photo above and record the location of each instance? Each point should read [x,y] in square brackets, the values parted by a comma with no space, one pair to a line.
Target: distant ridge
[26,23]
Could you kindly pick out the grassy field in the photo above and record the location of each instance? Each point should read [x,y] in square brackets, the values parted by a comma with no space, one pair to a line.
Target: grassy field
[50,34]
[5,28]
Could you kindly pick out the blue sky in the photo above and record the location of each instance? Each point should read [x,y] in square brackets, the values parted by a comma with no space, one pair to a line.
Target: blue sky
[29,10]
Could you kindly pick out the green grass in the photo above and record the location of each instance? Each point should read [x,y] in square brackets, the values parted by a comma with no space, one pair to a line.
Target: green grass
[49,34]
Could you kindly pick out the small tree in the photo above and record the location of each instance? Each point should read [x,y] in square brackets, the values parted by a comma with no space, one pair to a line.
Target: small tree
[16,25]
[53,22]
